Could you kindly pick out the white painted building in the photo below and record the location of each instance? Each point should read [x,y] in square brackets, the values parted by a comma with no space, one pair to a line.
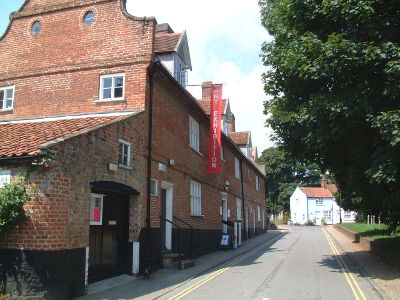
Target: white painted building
[318,205]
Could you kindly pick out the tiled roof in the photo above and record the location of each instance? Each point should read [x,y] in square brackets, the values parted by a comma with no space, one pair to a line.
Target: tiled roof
[240,138]
[166,42]
[332,188]
[206,105]
[316,192]
[25,138]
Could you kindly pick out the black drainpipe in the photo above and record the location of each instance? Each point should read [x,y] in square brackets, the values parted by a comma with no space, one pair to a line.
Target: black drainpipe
[149,153]
[243,208]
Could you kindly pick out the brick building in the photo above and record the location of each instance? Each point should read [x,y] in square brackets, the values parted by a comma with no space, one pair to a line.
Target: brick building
[93,103]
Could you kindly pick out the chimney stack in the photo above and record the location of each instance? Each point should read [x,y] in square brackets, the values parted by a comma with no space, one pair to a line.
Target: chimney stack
[324,182]
[206,91]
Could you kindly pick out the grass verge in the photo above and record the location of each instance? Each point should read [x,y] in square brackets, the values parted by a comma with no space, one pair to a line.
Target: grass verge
[376,232]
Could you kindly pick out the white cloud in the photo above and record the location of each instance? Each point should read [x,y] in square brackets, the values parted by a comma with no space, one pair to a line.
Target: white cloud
[225,38]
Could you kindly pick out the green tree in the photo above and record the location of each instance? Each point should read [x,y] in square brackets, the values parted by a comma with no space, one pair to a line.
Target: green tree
[283,175]
[334,70]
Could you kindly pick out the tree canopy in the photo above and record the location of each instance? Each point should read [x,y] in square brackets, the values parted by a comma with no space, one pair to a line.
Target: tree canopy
[283,175]
[334,73]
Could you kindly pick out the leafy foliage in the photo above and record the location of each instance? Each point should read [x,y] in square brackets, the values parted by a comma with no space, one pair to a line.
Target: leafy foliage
[12,198]
[334,79]
[283,175]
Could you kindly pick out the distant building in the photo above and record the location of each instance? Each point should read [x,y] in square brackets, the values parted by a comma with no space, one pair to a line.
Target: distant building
[318,205]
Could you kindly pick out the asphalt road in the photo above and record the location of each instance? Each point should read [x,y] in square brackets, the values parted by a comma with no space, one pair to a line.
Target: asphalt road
[303,263]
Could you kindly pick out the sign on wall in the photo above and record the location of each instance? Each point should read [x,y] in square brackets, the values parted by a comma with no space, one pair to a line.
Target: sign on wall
[5,177]
[214,152]
[96,209]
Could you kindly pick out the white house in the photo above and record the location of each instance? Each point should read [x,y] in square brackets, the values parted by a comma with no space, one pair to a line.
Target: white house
[317,204]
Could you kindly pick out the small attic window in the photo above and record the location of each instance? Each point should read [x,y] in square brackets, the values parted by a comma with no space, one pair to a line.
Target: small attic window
[36,27]
[88,18]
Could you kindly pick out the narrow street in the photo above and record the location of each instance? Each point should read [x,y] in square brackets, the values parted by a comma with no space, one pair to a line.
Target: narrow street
[300,264]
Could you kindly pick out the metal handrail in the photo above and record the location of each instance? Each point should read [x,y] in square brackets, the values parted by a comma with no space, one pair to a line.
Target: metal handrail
[191,236]
[179,240]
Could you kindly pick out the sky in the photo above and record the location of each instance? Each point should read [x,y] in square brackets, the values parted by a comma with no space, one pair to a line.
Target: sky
[225,38]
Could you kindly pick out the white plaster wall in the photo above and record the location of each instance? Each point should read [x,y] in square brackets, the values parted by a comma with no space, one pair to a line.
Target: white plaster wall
[298,207]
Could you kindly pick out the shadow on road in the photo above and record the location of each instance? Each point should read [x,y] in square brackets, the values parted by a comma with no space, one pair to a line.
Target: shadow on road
[331,262]
[164,281]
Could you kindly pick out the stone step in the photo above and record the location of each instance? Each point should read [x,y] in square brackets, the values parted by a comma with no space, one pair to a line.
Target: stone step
[169,258]
[185,264]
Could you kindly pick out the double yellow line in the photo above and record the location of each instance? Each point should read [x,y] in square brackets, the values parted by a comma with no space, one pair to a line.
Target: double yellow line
[222,270]
[358,293]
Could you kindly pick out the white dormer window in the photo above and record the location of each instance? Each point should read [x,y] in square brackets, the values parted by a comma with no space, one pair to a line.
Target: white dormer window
[224,125]
[180,73]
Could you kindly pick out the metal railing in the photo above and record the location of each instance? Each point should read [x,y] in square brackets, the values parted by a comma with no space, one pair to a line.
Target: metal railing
[179,240]
[191,236]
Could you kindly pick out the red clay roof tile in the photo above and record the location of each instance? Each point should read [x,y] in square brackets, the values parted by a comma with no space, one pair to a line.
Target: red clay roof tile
[316,192]
[240,138]
[20,139]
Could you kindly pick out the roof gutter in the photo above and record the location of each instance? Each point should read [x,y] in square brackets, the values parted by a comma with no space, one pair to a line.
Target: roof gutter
[19,159]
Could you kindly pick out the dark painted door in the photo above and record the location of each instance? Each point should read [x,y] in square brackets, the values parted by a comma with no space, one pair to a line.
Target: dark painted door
[108,246]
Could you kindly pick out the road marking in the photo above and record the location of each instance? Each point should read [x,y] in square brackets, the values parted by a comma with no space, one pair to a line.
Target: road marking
[347,273]
[216,273]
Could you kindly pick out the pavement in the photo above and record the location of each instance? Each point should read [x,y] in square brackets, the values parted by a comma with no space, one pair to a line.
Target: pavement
[164,281]
[383,278]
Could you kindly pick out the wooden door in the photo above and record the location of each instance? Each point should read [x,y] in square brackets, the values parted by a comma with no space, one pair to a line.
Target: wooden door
[108,244]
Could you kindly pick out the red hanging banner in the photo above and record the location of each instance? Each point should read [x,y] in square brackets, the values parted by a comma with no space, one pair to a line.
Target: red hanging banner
[214,152]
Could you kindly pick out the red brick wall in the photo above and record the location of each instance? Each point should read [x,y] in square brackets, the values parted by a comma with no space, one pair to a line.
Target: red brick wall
[58,215]
[57,71]
[171,141]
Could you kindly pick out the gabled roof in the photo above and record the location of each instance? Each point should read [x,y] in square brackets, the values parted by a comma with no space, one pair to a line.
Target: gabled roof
[240,138]
[28,137]
[316,192]
[167,41]
[206,105]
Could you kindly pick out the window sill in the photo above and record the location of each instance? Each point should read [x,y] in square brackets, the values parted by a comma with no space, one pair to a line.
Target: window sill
[110,100]
[125,167]
[198,152]
[197,216]
[6,110]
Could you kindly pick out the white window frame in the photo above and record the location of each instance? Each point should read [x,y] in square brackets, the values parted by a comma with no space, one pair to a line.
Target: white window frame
[348,215]
[112,76]
[129,155]
[257,183]
[239,209]
[237,168]
[327,215]
[92,199]
[258,213]
[153,187]
[180,73]
[194,134]
[319,202]
[4,100]
[195,198]
[5,177]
